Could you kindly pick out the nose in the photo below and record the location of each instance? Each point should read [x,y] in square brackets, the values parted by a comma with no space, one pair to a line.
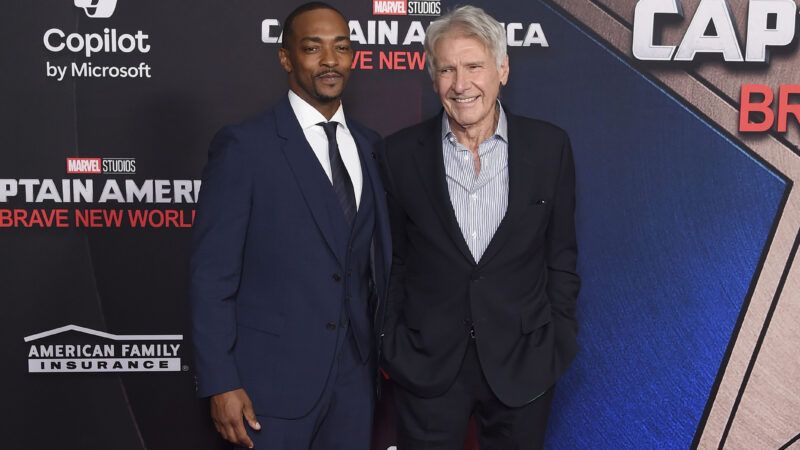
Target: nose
[460,83]
[328,57]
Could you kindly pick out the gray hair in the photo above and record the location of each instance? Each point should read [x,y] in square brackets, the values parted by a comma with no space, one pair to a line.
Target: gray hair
[468,21]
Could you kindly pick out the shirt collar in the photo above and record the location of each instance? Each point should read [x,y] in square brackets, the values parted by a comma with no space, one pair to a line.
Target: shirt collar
[501,131]
[308,116]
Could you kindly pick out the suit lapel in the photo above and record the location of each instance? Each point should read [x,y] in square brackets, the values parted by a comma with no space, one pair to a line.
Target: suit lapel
[314,184]
[520,185]
[430,163]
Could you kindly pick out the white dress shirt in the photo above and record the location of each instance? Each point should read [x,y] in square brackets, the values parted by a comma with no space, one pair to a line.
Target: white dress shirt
[309,117]
[480,201]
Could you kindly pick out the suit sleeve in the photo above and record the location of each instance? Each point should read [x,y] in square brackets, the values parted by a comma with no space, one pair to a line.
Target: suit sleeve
[216,263]
[563,282]
[397,220]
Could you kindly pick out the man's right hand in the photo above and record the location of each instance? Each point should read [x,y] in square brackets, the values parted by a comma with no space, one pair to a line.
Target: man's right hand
[227,411]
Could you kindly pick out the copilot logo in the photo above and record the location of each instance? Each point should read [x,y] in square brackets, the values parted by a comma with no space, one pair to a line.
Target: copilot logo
[66,48]
[97,9]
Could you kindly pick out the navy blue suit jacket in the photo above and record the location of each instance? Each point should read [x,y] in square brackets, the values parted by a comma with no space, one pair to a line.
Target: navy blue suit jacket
[267,249]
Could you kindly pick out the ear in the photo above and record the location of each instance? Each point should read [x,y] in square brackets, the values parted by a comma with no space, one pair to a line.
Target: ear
[283,57]
[432,66]
[504,69]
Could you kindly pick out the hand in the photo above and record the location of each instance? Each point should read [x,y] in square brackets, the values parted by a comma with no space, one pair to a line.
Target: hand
[227,410]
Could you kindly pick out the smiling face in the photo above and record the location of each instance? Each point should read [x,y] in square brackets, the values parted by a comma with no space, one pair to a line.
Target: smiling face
[317,57]
[467,80]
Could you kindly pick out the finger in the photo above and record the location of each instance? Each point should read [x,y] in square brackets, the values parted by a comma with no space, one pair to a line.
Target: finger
[250,416]
[222,429]
[241,435]
[227,433]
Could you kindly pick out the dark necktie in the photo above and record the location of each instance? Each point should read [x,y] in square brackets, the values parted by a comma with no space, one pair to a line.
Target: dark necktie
[341,179]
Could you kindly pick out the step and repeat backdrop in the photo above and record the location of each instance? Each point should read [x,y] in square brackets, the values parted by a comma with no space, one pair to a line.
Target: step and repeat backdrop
[684,121]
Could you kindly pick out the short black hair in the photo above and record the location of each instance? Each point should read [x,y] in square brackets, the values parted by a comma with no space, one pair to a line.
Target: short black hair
[305,7]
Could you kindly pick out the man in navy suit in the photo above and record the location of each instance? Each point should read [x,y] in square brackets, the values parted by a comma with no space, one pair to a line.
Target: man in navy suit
[290,255]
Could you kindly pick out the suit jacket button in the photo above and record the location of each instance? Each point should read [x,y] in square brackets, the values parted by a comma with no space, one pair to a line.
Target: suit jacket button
[337,277]
[331,326]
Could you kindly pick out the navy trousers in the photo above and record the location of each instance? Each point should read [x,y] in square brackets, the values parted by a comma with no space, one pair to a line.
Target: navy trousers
[342,417]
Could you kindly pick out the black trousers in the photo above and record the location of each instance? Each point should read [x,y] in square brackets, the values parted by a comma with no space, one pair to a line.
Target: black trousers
[440,423]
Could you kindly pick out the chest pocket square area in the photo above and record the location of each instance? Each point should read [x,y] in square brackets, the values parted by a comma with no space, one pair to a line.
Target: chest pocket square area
[537,212]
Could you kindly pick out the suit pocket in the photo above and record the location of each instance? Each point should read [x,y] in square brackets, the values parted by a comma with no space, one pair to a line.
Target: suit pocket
[535,318]
[260,320]
[536,215]
[413,321]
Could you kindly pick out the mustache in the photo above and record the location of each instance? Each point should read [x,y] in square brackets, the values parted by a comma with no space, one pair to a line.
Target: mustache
[328,72]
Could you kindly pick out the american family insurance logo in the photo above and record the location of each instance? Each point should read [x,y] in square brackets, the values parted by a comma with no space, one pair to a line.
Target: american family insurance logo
[406,7]
[97,166]
[77,349]
[97,9]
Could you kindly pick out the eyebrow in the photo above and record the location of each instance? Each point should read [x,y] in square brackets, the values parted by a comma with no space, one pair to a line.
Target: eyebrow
[318,39]
[452,65]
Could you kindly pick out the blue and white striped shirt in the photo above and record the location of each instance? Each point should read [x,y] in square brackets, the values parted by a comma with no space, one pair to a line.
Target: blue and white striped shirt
[479,202]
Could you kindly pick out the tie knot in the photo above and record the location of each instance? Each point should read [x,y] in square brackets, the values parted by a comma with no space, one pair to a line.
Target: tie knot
[330,129]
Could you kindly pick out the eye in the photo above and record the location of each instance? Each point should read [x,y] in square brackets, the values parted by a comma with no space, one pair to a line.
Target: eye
[310,49]
[474,66]
[343,48]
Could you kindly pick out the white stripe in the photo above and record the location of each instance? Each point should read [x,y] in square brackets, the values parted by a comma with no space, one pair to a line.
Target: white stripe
[92,365]
[115,337]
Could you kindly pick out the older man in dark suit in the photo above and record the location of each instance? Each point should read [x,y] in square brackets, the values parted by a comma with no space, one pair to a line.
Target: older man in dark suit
[481,309]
